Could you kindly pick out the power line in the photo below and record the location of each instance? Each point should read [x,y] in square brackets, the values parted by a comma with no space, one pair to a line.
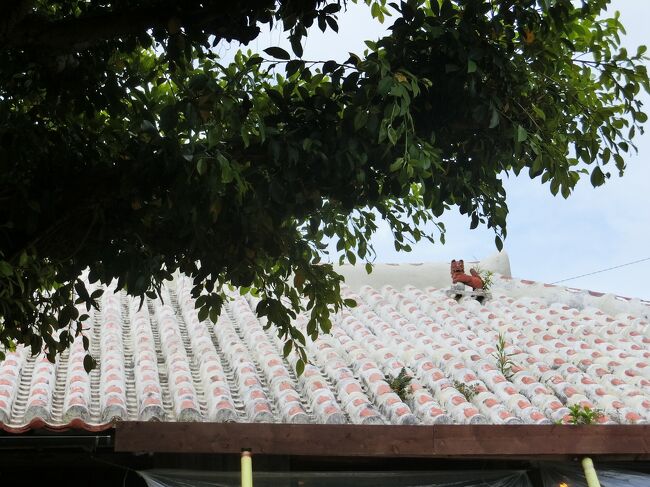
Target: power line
[602,270]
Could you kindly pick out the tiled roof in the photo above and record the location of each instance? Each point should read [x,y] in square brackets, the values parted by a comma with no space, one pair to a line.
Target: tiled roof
[159,362]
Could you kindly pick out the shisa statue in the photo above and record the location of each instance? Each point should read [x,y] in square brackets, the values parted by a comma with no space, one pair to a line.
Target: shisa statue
[473,280]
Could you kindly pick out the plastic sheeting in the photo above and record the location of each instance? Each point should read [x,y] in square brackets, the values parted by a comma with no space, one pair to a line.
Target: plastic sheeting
[185,478]
[572,475]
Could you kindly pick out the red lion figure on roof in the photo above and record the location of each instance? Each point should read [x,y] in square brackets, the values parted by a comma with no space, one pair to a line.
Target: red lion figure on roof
[458,275]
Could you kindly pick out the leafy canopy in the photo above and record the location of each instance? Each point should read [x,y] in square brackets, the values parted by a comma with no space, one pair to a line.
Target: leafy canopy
[130,150]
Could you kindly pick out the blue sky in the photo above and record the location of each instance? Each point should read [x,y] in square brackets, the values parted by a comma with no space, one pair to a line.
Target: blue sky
[549,238]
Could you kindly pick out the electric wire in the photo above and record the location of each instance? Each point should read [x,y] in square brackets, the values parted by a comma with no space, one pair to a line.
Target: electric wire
[601,270]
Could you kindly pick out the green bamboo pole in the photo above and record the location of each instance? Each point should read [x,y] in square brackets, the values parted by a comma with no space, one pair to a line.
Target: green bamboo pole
[590,472]
[247,469]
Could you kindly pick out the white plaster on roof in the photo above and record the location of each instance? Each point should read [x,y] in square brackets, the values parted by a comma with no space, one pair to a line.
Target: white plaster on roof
[575,298]
[423,275]
[161,363]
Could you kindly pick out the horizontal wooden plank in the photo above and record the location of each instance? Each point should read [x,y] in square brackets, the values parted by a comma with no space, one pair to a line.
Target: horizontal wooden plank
[440,441]
[551,440]
[281,439]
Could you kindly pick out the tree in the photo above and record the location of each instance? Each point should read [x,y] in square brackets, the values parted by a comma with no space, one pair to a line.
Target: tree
[130,151]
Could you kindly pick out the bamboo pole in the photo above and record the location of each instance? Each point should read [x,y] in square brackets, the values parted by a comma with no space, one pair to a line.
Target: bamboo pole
[590,472]
[247,469]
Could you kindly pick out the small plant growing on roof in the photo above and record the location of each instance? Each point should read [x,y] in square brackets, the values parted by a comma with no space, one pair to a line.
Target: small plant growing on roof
[580,414]
[486,276]
[469,391]
[400,384]
[504,364]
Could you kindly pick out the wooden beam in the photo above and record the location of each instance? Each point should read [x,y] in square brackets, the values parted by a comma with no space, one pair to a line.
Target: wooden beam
[440,441]
[270,439]
[551,440]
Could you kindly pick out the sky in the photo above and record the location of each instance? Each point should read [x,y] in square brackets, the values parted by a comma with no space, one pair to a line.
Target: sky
[549,238]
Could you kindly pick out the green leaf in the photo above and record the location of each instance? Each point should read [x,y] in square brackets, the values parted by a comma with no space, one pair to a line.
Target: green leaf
[375,10]
[392,135]
[278,53]
[494,119]
[597,177]
[539,112]
[522,135]
[89,363]
[254,60]
[204,312]
[293,66]
[288,345]
[5,268]
[565,190]
[498,242]
[300,367]
[475,221]
[471,66]
[227,174]
[331,21]
[201,166]
[360,119]
[331,8]
[168,118]
[296,46]
[399,162]
[214,314]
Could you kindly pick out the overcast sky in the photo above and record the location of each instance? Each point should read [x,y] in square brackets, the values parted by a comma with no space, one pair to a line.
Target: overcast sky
[549,238]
